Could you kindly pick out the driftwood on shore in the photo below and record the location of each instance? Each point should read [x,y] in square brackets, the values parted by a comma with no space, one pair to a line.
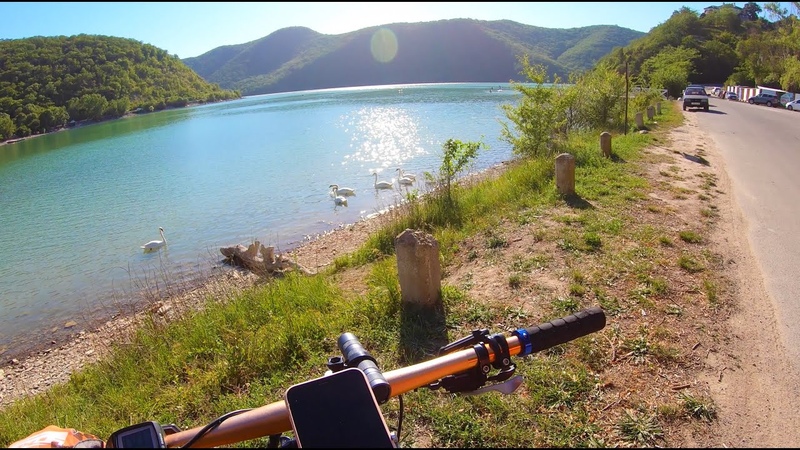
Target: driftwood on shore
[261,260]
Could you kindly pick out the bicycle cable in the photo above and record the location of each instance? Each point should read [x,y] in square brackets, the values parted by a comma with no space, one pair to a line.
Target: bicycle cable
[399,418]
[213,425]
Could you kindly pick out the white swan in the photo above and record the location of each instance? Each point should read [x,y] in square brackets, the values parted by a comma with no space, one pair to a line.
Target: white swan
[404,174]
[338,200]
[345,191]
[381,184]
[403,181]
[155,245]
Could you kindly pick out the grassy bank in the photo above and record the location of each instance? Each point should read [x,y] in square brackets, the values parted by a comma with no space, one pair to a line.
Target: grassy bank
[609,246]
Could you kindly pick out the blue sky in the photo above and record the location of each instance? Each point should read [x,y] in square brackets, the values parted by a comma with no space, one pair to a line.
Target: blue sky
[191,29]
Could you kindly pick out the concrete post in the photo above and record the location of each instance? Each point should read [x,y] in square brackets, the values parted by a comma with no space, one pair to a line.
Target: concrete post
[565,174]
[419,270]
[651,112]
[605,143]
[658,108]
[639,121]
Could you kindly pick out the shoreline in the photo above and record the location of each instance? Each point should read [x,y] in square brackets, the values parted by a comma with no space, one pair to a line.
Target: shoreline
[88,122]
[51,361]
[127,305]
[34,372]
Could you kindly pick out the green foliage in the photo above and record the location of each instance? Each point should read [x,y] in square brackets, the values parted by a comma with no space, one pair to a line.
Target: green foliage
[690,237]
[47,81]
[670,69]
[6,126]
[698,408]
[599,92]
[539,115]
[725,44]
[640,427]
[89,106]
[457,156]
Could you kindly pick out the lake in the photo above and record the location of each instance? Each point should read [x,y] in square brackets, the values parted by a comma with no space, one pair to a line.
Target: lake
[77,205]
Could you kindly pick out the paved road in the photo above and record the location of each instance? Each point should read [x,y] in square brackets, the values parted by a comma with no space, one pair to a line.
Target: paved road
[761,149]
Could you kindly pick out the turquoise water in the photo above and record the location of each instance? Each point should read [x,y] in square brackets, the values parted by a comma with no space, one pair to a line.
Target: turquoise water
[75,206]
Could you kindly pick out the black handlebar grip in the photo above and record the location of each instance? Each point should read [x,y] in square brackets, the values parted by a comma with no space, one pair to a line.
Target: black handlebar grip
[355,356]
[565,329]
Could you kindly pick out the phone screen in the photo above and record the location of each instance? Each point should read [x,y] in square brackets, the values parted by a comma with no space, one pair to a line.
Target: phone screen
[337,410]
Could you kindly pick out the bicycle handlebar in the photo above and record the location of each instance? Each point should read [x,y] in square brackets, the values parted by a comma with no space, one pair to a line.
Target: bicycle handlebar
[273,418]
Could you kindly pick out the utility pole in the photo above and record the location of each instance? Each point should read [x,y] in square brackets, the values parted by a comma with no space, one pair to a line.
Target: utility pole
[626,91]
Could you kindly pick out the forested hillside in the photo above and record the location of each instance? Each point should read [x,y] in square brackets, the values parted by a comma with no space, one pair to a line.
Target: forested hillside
[457,50]
[46,82]
[719,45]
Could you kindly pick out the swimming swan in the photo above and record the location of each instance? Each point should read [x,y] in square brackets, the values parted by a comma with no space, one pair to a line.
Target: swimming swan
[155,245]
[345,191]
[381,184]
[340,201]
[404,174]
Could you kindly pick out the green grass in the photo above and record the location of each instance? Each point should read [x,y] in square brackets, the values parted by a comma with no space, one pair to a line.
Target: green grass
[244,351]
[640,428]
[690,237]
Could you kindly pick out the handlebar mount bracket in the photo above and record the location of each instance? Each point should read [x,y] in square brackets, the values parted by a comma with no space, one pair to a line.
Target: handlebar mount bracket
[477,377]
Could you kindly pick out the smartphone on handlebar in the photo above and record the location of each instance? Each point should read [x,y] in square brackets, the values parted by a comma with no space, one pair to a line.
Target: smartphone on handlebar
[338,411]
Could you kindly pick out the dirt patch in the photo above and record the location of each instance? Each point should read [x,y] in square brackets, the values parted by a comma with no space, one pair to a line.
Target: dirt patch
[726,347]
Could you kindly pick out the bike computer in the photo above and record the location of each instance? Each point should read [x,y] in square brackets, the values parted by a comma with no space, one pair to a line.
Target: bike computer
[142,435]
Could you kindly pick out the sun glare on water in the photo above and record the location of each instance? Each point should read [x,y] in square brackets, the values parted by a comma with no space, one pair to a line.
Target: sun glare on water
[383,137]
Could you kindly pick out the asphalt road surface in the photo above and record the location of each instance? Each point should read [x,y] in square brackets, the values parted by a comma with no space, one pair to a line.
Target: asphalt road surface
[761,149]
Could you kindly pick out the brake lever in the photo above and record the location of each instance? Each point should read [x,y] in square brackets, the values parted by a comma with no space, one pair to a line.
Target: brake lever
[506,387]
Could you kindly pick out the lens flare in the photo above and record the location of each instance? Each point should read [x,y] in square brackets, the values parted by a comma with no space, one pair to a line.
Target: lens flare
[383,45]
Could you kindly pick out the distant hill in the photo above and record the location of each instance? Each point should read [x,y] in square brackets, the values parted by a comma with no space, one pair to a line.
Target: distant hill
[457,50]
[47,82]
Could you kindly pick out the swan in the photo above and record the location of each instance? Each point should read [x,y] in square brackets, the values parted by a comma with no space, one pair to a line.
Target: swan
[404,174]
[345,191]
[155,245]
[403,181]
[381,184]
[338,200]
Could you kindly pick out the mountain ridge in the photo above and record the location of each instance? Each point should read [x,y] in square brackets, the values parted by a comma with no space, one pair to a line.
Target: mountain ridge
[448,50]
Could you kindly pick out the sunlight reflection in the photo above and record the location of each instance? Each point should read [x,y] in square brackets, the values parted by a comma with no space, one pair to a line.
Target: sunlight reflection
[382,137]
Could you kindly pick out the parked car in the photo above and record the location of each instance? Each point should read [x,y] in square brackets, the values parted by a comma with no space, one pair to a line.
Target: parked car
[764,98]
[731,96]
[793,105]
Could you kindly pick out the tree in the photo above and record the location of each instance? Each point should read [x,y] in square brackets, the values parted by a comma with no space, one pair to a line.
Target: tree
[670,69]
[457,156]
[53,117]
[539,115]
[790,80]
[89,106]
[601,90]
[7,127]
[750,11]
[761,58]
[775,11]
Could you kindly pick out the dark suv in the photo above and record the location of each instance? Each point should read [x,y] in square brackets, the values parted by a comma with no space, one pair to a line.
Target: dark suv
[764,98]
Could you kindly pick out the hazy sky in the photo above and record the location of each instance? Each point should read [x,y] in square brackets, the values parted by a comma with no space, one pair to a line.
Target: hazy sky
[191,29]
